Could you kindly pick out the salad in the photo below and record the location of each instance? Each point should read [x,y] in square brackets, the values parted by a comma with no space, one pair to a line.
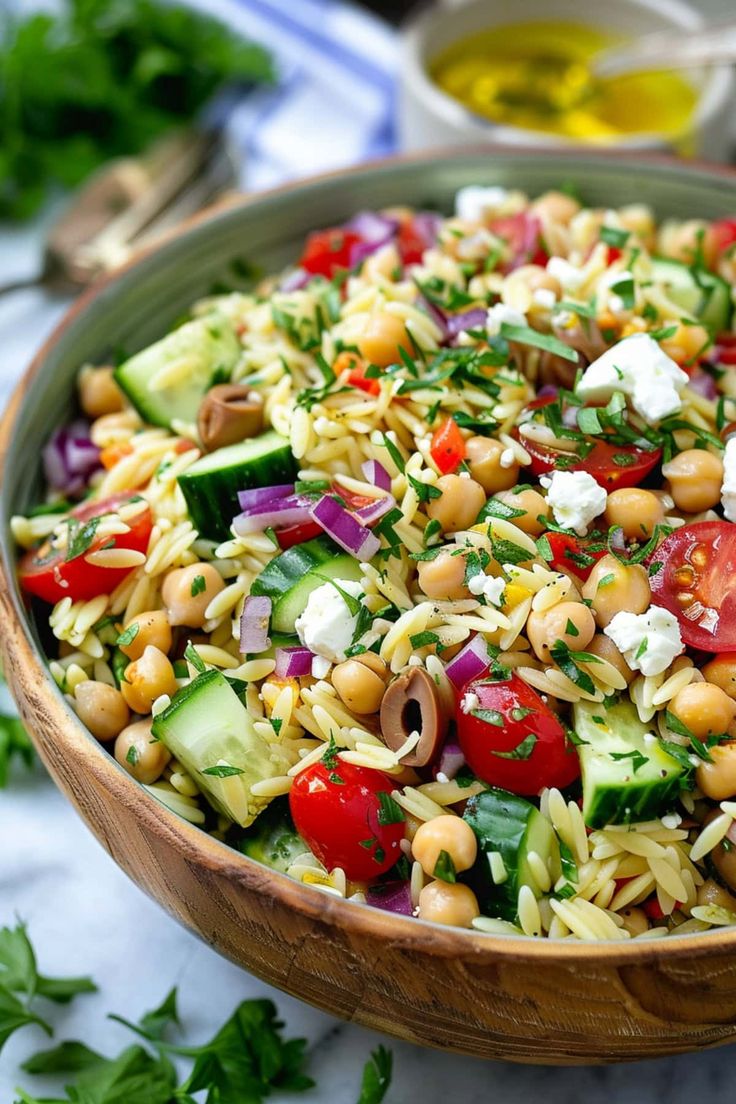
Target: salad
[409,573]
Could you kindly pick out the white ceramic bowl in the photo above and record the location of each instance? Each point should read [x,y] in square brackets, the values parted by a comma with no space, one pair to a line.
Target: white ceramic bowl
[429,117]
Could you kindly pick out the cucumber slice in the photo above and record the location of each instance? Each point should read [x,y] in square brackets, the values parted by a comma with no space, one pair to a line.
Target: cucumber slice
[290,578]
[626,777]
[273,839]
[700,293]
[207,726]
[210,486]
[511,827]
[166,381]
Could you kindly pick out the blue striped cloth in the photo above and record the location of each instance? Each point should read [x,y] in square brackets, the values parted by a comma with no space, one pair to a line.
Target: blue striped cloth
[333,104]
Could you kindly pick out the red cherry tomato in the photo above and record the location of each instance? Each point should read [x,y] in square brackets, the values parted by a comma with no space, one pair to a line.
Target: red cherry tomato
[337,810]
[723,232]
[697,582]
[327,251]
[512,739]
[298,534]
[614,254]
[448,446]
[610,465]
[571,554]
[724,349]
[411,244]
[46,572]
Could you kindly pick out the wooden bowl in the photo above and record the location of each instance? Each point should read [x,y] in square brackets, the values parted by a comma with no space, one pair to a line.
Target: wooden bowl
[497,997]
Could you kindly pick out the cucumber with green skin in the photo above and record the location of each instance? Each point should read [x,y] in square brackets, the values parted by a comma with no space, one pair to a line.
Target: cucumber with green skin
[627,775]
[273,839]
[206,726]
[510,825]
[210,486]
[193,357]
[699,292]
[290,578]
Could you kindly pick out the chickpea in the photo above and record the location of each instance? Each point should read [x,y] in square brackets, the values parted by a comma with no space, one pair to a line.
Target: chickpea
[717,780]
[444,576]
[445,833]
[483,456]
[635,921]
[711,893]
[139,754]
[447,903]
[152,627]
[146,679]
[721,671]
[459,503]
[703,708]
[187,592]
[534,506]
[695,477]
[99,394]
[571,622]
[359,688]
[555,206]
[604,648]
[374,663]
[686,343]
[535,277]
[613,586]
[101,708]
[635,510]
[683,242]
[382,338]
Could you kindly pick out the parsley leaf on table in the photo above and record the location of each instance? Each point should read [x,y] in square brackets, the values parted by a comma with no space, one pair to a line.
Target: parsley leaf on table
[14,742]
[376,1076]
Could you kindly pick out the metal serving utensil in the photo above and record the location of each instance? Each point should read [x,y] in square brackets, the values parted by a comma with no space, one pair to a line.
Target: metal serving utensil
[129,202]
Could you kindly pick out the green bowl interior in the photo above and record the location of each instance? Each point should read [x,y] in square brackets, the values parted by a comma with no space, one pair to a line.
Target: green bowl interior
[144,300]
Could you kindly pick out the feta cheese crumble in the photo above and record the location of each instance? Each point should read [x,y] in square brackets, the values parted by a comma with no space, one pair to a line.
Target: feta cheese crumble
[642,371]
[576,499]
[491,588]
[327,626]
[728,488]
[474,202]
[570,277]
[500,313]
[648,641]
[544,297]
[469,703]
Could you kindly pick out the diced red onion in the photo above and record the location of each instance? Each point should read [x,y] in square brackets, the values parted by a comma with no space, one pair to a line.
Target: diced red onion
[570,416]
[293,662]
[258,496]
[549,391]
[344,529]
[376,510]
[468,664]
[295,280]
[427,225]
[391,897]
[70,457]
[703,384]
[451,761]
[373,226]
[438,317]
[254,625]
[468,320]
[376,474]
[293,510]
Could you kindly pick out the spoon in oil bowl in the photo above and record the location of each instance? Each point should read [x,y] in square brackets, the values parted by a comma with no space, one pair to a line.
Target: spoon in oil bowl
[668,50]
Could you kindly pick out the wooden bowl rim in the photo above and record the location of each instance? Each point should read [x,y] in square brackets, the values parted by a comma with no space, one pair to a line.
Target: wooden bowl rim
[357,919]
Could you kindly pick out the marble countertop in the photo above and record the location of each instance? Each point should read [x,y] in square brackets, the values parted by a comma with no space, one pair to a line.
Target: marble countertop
[85,917]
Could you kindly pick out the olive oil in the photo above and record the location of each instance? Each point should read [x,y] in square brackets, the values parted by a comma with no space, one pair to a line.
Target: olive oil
[536,76]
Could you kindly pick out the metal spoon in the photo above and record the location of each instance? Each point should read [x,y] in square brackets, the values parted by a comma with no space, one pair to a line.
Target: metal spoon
[127,203]
[675,49]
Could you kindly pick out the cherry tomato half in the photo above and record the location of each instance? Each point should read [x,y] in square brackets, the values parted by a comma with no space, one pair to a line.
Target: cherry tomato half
[723,233]
[512,739]
[298,534]
[571,554]
[522,234]
[697,582]
[46,572]
[337,810]
[411,244]
[327,251]
[448,446]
